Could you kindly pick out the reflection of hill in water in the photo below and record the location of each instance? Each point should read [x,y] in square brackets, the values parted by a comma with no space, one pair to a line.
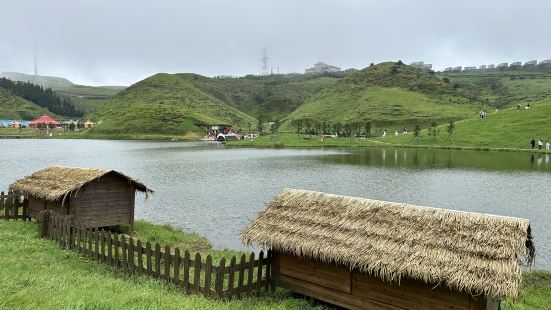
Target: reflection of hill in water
[443,158]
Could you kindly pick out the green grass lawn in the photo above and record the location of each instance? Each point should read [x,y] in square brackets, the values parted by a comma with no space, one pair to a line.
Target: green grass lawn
[37,274]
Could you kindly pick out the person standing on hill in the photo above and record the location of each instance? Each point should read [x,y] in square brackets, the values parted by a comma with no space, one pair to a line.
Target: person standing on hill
[532,142]
[540,144]
[547,146]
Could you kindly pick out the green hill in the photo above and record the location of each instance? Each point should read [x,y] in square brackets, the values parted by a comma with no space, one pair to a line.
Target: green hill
[506,128]
[266,97]
[165,104]
[17,108]
[85,98]
[387,94]
[505,87]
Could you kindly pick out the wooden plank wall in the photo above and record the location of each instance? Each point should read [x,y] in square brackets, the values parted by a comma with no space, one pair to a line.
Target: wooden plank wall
[356,290]
[192,273]
[13,206]
[107,202]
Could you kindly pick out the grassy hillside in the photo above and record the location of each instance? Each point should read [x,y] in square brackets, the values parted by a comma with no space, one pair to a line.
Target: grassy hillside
[268,97]
[505,87]
[17,108]
[165,104]
[506,128]
[388,94]
[86,98]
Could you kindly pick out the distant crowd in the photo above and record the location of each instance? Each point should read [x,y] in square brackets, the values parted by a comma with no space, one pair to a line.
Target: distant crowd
[540,144]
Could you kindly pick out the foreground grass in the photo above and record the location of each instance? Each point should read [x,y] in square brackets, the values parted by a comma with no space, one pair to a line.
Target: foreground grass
[37,274]
[536,294]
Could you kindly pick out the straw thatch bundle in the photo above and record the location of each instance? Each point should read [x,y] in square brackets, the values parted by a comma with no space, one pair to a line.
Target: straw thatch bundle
[476,253]
[55,183]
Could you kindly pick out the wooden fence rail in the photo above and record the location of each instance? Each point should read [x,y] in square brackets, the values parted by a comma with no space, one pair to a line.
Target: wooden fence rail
[192,275]
[13,206]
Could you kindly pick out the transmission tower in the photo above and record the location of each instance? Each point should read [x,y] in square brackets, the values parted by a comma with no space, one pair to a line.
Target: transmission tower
[264,70]
[35,63]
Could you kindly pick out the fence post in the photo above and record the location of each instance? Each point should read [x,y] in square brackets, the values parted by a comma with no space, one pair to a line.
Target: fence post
[148,258]
[208,275]
[130,256]
[44,223]
[140,256]
[250,277]
[25,209]
[219,286]
[186,271]
[157,260]
[197,273]
[231,277]
[166,259]
[110,249]
[177,266]
[241,277]
[269,271]
[259,274]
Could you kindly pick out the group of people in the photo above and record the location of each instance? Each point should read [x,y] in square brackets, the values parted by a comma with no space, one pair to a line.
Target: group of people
[526,108]
[540,144]
[404,131]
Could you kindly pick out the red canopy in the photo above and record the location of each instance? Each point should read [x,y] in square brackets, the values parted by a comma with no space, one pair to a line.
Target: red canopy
[44,119]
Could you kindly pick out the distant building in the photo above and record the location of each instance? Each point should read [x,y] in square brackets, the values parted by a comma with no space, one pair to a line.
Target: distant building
[482,67]
[422,65]
[544,62]
[458,68]
[470,68]
[15,124]
[503,65]
[448,69]
[516,64]
[491,66]
[531,63]
[89,124]
[321,67]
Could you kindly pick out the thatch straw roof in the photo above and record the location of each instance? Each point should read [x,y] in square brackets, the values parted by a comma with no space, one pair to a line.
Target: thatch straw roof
[55,183]
[476,253]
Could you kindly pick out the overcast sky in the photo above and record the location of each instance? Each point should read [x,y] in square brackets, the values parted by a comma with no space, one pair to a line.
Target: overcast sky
[102,42]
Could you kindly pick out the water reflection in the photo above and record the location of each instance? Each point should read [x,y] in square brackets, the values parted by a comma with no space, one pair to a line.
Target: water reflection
[443,158]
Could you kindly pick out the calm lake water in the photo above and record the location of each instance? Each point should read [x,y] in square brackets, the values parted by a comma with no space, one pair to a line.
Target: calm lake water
[215,191]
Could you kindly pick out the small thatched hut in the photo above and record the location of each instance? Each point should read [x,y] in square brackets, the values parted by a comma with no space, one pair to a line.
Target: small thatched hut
[368,254]
[92,197]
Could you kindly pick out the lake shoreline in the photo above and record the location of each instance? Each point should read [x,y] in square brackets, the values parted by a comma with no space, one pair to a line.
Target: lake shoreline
[275,143]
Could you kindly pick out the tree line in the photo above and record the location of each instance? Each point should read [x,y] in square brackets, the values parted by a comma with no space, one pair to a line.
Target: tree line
[45,98]
[346,129]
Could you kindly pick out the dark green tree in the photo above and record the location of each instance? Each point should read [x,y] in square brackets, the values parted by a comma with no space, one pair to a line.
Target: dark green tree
[417,132]
[450,128]
[368,129]
[433,130]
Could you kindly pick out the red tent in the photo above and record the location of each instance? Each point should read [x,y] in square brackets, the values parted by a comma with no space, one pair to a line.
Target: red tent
[46,120]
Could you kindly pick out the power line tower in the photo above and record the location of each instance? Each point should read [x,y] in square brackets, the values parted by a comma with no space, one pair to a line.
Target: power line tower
[35,63]
[264,70]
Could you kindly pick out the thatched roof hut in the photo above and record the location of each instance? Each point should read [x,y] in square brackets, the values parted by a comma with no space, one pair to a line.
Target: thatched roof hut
[93,196]
[468,252]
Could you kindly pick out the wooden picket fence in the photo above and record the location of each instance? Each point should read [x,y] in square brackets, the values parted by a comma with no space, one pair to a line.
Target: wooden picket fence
[13,206]
[192,275]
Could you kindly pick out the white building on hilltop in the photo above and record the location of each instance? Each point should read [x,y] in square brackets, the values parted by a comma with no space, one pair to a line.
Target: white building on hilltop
[321,67]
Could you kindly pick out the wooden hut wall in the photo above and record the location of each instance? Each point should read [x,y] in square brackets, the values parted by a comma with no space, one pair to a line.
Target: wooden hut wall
[37,205]
[356,290]
[108,201]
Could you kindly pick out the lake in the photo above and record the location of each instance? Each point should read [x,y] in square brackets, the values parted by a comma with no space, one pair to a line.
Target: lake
[216,190]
